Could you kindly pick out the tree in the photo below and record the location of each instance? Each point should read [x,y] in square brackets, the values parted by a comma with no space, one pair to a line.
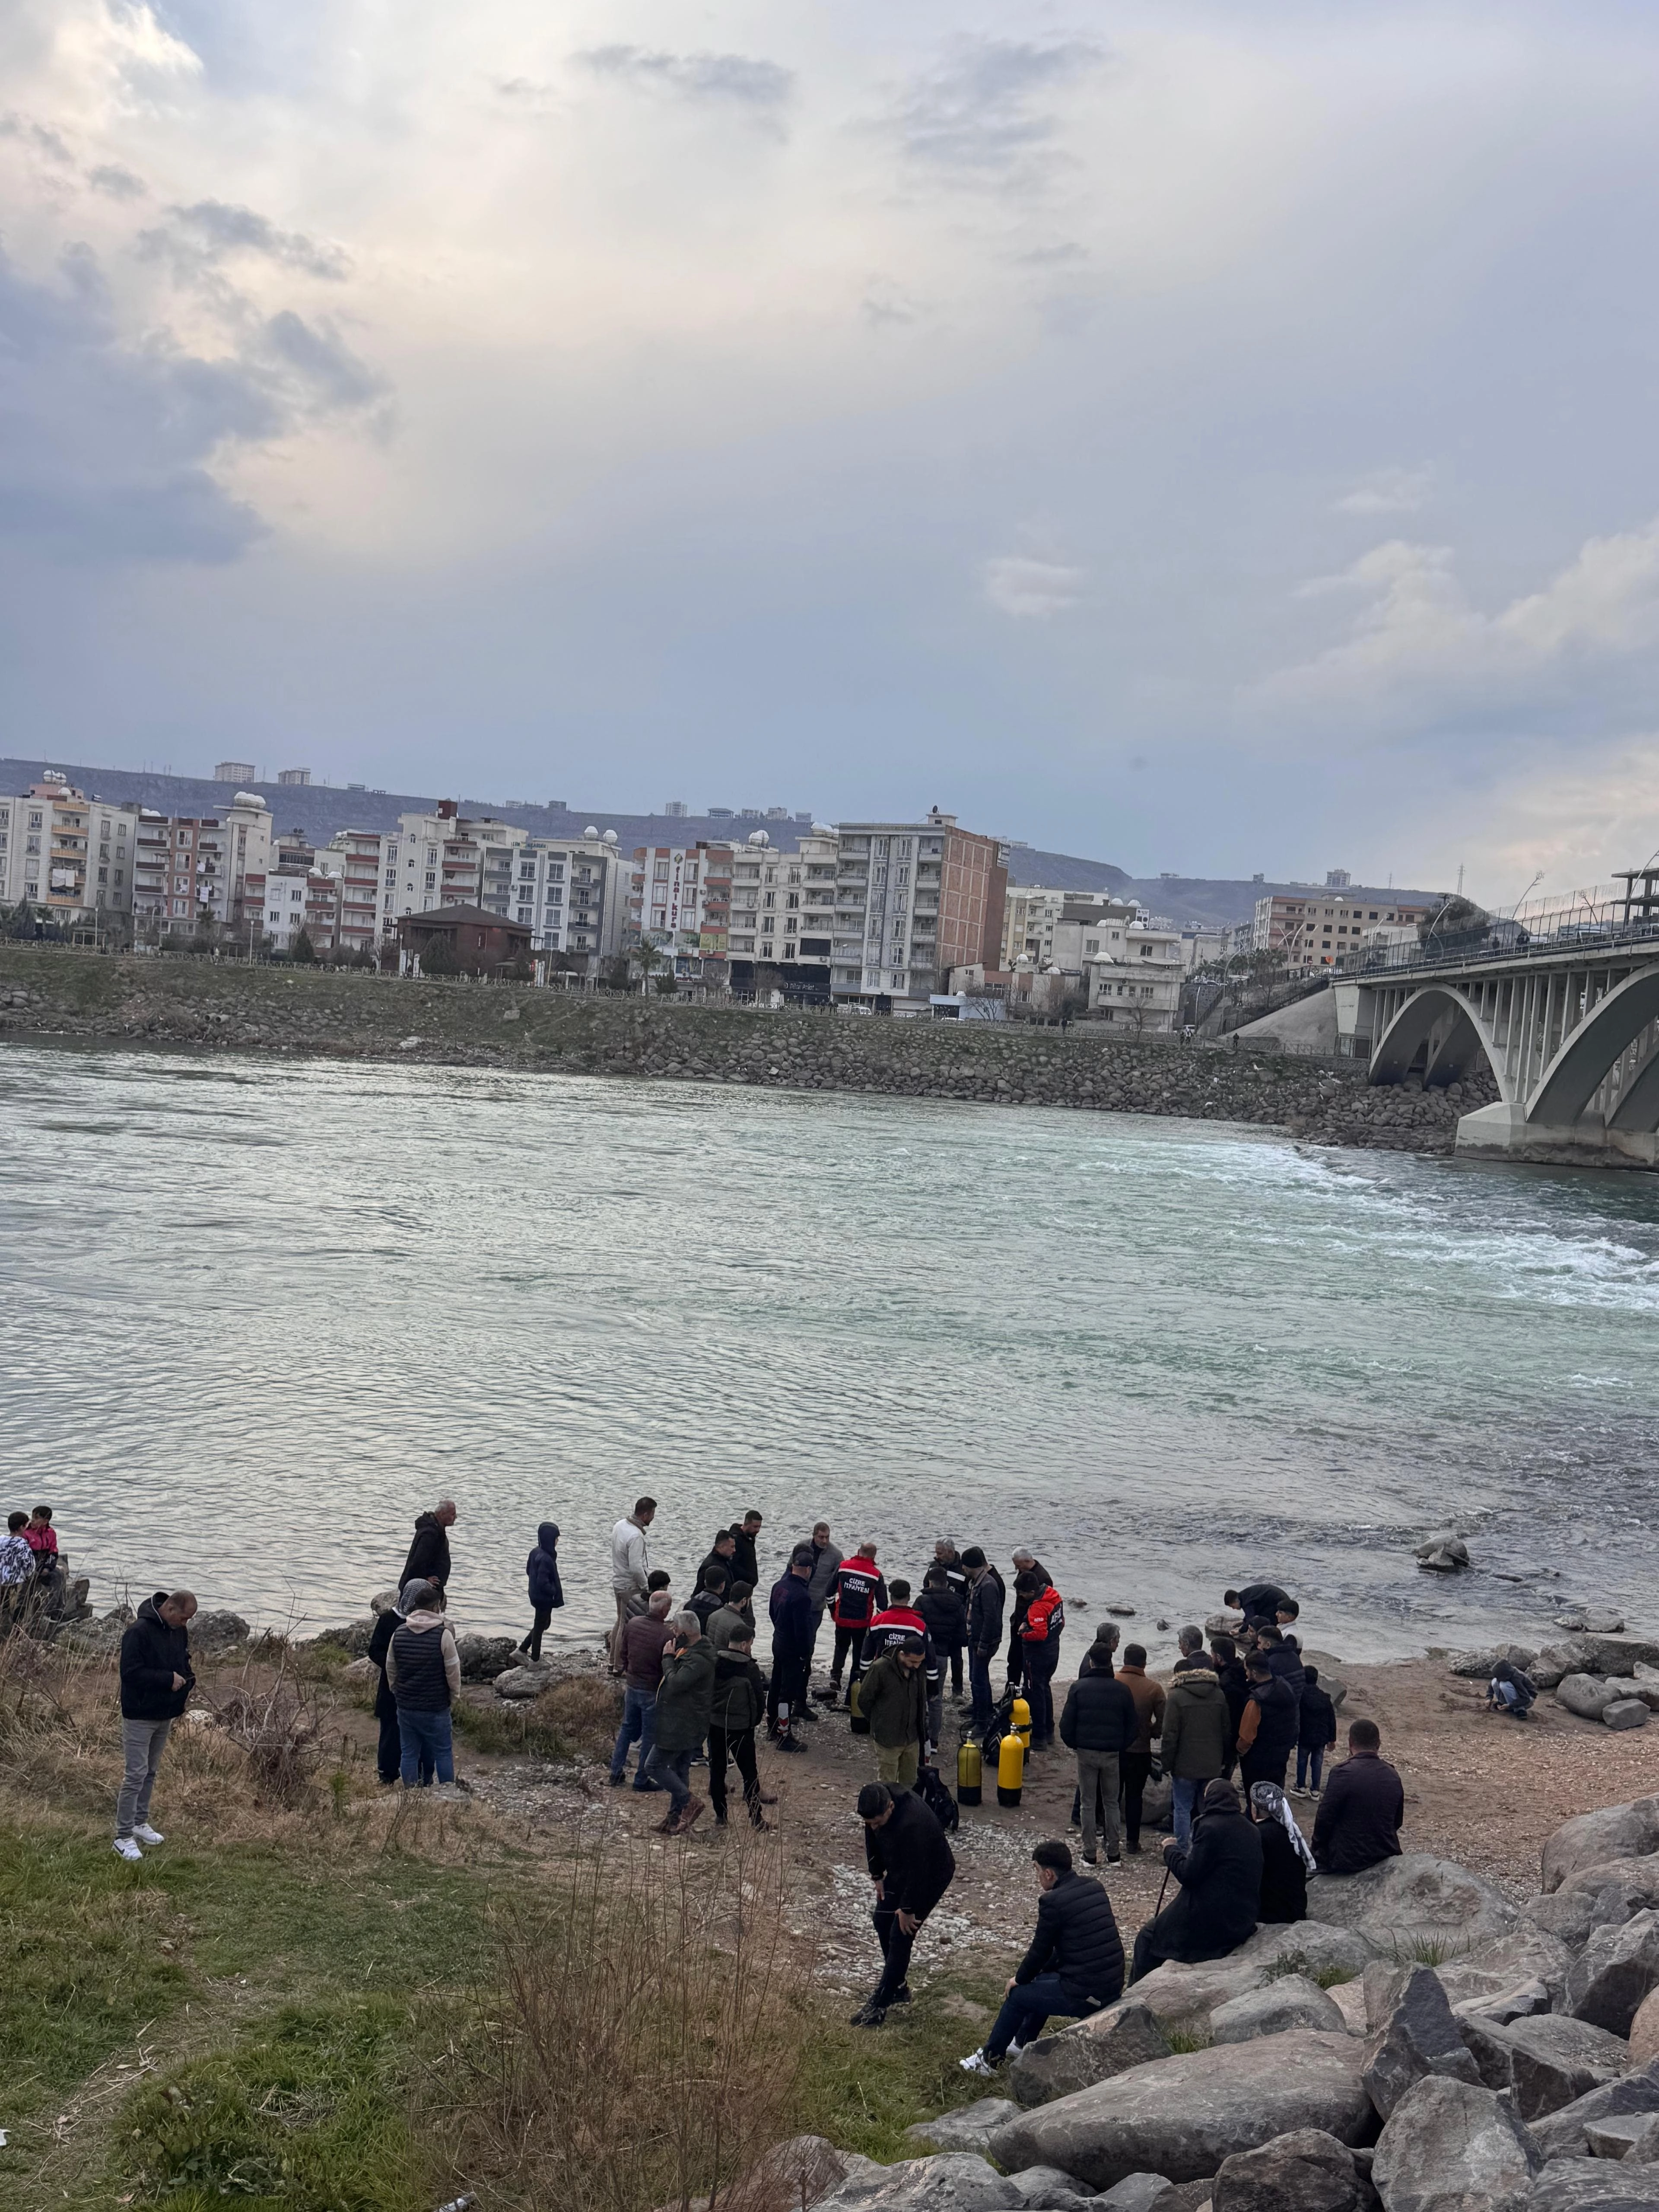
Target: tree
[438,958]
[647,958]
[303,950]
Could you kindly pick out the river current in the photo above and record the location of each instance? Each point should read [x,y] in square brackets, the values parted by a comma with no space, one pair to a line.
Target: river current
[254,1315]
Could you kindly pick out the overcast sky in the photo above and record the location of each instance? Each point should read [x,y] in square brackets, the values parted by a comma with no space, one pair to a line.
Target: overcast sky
[1213,437]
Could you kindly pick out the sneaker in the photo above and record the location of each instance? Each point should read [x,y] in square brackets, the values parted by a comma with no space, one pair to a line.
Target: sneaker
[1114,1858]
[977,2062]
[146,1834]
[1014,2049]
[869,2014]
[1091,1858]
[126,1848]
[1133,1849]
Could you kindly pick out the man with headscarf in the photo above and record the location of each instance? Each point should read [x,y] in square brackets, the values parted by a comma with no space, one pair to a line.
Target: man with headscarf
[1220,1877]
[1286,1859]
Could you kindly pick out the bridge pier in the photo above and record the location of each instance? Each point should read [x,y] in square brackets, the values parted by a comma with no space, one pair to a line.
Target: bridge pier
[1503,1132]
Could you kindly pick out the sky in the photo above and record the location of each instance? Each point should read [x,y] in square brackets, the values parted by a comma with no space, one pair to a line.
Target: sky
[1211,438]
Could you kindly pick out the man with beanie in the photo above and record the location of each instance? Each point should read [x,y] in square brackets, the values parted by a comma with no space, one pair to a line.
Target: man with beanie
[1075,1965]
[156,1680]
[912,1866]
[893,1698]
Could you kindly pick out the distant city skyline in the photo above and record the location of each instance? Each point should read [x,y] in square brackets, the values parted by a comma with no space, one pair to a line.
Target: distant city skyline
[1217,442]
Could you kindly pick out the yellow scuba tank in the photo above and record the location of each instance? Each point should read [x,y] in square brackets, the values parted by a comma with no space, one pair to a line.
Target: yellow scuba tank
[969,1775]
[1019,1719]
[1011,1769]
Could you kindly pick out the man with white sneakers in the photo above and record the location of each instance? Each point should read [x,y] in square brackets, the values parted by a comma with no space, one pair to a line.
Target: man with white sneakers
[156,1680]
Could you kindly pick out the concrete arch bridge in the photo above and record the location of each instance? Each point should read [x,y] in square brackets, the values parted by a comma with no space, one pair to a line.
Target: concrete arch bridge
[1571,1035]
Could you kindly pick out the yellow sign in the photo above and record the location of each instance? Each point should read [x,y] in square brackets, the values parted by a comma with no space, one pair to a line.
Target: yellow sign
[711,943]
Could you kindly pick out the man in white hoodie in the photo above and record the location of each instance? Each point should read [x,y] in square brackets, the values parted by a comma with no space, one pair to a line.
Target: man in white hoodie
[424,1671]
[631,1564]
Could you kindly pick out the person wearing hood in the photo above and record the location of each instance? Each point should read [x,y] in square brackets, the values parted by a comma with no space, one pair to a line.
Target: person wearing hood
[389,1751]
[684,1700]
[156,1680]
[424,1670]
[546,1592]
[1220,1878]
[1196,1729]
[892,1696]
[734,1714]
[1286,1861]
[429,1555]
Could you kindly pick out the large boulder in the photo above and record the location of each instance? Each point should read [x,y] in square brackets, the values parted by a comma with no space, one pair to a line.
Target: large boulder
[1046,2189]
[1602,1619]
[1626,2135]
[1556,1661]
[1614,1972]
[1547,2062]
[1306,2171]
[796,2172]
[1626,1713]
[1528,1953]
[1291,2001]
[1136,2192]
[1412,1899]
[1445,1551]
[483,1657]
[1450,2146]
[1186,1995]
[352,1637]
[1618,1655]
[1421,2038]
[1561,2134]
[217,1631]
[1616,1831]
[1593,2185]
[1587,1695]
[523,1682]
[1644,2030]
[956,2181]
[1603,1896]
[1108,2042]
[967,2128]
[1182,2115]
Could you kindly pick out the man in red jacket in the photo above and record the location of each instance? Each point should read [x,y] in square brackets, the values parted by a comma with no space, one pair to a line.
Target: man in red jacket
[1040,1633]
[861,1595]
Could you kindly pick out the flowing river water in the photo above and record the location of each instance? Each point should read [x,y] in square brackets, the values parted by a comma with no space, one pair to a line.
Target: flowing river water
[254,1315]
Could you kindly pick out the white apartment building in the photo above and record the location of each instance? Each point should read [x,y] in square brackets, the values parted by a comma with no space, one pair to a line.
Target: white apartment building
[281,910]
[1138,985]
[69,855]
[571,892]
[195,867]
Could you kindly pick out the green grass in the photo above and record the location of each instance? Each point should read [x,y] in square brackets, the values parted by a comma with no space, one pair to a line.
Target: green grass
[1297,1962]
[1187,2038]
[509,1731]
[862,2088]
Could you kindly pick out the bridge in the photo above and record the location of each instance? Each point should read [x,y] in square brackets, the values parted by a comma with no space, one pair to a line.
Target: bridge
[1566,1019]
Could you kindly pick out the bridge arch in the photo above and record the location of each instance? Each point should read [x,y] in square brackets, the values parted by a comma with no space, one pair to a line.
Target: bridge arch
[1453,1053]
[1587,1056]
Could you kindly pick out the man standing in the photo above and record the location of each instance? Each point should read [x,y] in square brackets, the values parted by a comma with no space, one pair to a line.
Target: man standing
[1100,1724]
[1358,1823]
[429,1555]
[1040,1632]
[546,1591]
[156,1680]
[707,1599]
[985,1598]
[1235,1687]
[791,1608]
[947,1619]
[684,1704]
[745,1567]
[389,1751]
[720,1554]
[912,1866]
[424,1669]
[947,1561]
[826,1559]
[644,1638]
[861,1595]
[1267,1733]
[893,1698]
[1030,1575]
[738,1701]
[1195,1730]
[1137,1762]
[1073,1967]
[630,1567]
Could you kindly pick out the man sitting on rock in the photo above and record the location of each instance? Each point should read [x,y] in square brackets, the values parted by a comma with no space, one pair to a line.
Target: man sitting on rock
[1074,1964]
[1220,1878]
[1357,1825]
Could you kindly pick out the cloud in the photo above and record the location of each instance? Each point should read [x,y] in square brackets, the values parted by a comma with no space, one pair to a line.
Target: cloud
[200,237]
[319,365]
[1388,491]
[116,183]
[735,78]
[988,111]
[1030,590]
[39,136]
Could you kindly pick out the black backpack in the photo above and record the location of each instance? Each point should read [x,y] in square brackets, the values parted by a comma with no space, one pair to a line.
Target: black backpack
[937,1798]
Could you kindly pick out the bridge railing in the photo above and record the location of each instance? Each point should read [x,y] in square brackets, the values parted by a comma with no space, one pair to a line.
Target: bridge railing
[1502,940]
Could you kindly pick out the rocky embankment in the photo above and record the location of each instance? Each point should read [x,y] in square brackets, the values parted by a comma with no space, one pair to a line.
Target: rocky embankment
[346,1014]
[1421,2042]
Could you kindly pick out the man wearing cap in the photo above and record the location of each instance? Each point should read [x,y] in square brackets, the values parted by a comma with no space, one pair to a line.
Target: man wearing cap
[893,1698]
[1074,1964]
[912,1866]
[1220,1877]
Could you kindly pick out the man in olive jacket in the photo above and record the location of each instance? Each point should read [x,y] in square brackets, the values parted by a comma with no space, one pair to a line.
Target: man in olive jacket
[685,1698]
[893,1698]
[1197,1729]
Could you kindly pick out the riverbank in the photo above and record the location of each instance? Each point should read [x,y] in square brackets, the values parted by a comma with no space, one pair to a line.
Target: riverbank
[345,1014]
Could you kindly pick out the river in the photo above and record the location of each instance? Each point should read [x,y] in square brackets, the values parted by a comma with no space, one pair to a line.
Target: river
[254,1315]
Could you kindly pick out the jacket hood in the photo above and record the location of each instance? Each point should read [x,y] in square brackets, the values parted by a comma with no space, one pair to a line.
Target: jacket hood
[151,1608]
[422,1620]
[1200,1684]
[426,1520]
[547,1536]
[733,1663]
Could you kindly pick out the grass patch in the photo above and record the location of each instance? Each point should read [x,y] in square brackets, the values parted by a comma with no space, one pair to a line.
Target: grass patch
[508,1730]
[1426,1951]
[1187,2038]
[1297,1962]
[863,2089]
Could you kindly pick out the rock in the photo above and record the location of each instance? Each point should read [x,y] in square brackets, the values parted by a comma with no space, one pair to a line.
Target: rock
[1528,1955]
[1524,2001]
[1182,2115]
[1598,1897]
[1305,2171]
[1046,2187]
[524,1681]
[967,2128]
[1189,1995]
[353,1637]
[483,1657]
[1561,2134]
[1332,1677]
[1442,1560]
[1121,1611]
[798,2172]
[1414,1897]
[1603,1624]
[1447,1546]
[386,1601]
[1291,2001]
[1616,1831]
[1568,2184]
[1625,2135]
[1618,1655]
[1108,2042]
[1421,2038]
[1587,1695]
[956,2181]
[217,1631]
[1556,2060]
[1451,2146]
[1224,1622]
[1626,1713]
[1182,2196]
[1644,2030]
[1556,1660]
[1479,1665]
[1614,1972]
[361,1670]
[1494,2061]
[1136,2192]
[1349,1998]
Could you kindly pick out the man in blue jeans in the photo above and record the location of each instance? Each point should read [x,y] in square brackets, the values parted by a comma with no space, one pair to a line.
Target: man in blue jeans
[1074,1964]
[423,1670]
[1197,1724]
[985,1597]
[640,1651]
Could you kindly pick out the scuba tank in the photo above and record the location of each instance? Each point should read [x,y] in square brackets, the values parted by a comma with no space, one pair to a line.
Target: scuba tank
[1020,1720]
[970,1774]
[1011,1769]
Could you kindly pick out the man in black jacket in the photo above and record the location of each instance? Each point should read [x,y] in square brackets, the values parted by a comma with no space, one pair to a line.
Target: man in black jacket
[157,1680]
[912,1866]
[1220,1878]
[1358,1824]
[429,1555]
[986,1599]
[1099,1723]
[1266,1735]
[389,1756]
[745,1567]
[1075,1965]
[721,1554]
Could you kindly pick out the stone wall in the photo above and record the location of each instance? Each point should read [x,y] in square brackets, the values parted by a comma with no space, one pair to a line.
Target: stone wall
[46,991]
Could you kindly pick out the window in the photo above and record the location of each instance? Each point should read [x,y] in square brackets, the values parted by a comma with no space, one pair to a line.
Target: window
[431,879]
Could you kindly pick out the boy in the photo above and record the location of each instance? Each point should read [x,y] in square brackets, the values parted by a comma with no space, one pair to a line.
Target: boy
[1315,1736]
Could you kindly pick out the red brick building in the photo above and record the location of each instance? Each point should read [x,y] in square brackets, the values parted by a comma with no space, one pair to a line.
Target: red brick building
[481,942]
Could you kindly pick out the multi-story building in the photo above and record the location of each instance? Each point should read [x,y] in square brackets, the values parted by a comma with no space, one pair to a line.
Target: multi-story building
[913,900]
[72,857]
[1137,985]
[275,904]
[570,893]
[194,868]
[1323,929]
[712,901]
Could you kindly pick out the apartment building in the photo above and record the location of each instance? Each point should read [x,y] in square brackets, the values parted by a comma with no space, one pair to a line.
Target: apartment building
[1323,929]
[191,868]
[570,893]
[1136,984]
[71,857]
[913,900]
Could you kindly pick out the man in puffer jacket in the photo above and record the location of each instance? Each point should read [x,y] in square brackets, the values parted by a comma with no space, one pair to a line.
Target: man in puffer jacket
[546,1591]
[1099,1723]
[156,1680]
[424,1670]
[1073,1967]
[1196,1729]
[389,1753]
